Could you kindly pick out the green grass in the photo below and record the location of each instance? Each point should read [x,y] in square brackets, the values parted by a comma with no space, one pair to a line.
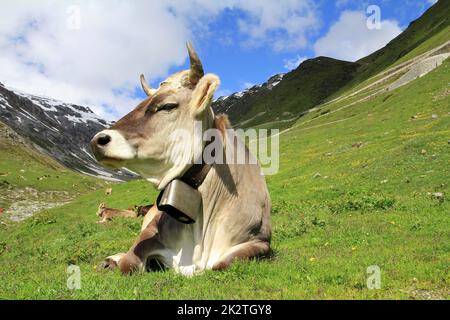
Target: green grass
[435,41]
[370,206]
[22,167]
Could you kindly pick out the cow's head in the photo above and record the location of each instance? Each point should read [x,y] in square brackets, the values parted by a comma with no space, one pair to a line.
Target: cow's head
[101,209]
[147,140]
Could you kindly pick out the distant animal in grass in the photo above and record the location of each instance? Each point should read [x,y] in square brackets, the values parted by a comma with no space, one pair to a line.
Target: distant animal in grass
[108,191]
[107,214]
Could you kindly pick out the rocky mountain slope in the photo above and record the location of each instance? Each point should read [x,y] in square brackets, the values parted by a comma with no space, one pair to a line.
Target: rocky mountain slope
[58,129]
[284,97]
[239,103]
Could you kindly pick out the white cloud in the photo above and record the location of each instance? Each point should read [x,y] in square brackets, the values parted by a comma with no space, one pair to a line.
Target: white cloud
[350,39]
[291,64]
[282,25]
[99,64]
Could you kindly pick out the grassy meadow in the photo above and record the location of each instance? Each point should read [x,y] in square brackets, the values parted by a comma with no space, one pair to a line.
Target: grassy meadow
[355,189]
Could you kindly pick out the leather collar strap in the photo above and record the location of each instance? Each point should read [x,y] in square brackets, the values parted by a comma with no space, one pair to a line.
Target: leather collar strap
[196,174]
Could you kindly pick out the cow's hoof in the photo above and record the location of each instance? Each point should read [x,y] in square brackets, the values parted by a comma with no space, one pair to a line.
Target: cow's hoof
[110,262]
[131,264]
[107,264]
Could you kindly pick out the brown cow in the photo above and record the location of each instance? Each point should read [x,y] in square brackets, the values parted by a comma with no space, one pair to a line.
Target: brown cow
[107,214]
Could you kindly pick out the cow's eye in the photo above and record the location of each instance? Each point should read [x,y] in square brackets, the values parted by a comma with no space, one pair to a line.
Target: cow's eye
[167,106]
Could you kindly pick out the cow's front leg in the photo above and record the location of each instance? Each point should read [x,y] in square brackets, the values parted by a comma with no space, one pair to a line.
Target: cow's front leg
[243,251]
[135,259]
[103,220]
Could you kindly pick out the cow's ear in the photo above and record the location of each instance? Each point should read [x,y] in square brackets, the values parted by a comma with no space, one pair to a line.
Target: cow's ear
[203,94]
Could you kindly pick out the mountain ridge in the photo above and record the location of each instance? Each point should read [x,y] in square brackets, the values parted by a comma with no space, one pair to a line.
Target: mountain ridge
[294,93]
[292,102]
[58,129]
[63,130]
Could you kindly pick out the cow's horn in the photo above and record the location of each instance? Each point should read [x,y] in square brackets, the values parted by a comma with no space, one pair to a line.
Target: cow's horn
[149,91]
[196,65]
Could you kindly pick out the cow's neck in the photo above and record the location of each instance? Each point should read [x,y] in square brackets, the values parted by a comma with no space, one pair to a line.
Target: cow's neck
[197,173]
[221,184]
[178,170]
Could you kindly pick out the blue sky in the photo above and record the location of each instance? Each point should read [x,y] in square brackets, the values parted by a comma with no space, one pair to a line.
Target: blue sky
[239,66]
[92,53]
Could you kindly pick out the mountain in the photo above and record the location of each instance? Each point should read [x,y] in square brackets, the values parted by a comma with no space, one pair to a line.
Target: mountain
[61,130]
[321,79]
[240,103]
[284,97]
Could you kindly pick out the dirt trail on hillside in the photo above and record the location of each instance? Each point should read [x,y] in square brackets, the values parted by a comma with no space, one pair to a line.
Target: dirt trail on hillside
[24,209]
[394,71]
[419,70]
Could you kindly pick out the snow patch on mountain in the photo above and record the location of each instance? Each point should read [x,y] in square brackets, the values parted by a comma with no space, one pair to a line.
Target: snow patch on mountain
[232,104]
[79,114]
[4,103]
[269,84]
[61,130]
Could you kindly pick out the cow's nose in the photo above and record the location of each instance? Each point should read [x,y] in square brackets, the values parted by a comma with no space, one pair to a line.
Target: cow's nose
[103,139]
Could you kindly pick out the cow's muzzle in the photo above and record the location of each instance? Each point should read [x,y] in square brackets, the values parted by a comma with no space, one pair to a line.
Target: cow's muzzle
[111,144]
[99,143]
